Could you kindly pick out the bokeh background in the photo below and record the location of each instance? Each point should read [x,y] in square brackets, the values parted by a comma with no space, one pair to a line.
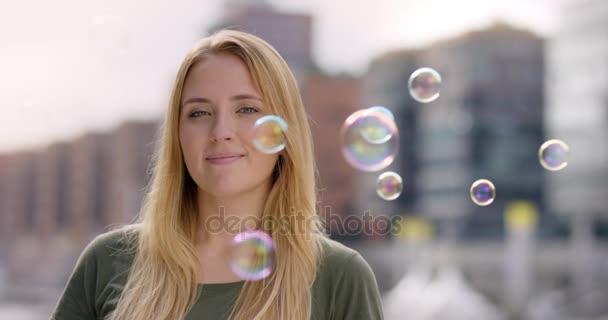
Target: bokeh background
[84,86]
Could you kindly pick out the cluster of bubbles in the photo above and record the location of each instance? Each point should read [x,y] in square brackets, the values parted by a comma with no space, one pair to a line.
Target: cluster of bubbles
[370,137]
[269,134]
[370,141]
[253,254]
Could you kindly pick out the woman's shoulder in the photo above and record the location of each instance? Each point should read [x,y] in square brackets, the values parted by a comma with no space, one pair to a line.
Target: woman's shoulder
[334,251]
[338,259]
[110,247]
[116,240]
[345,286]
[99,275]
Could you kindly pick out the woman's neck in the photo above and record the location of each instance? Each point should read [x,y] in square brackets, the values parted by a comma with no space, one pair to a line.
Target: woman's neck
[223,218]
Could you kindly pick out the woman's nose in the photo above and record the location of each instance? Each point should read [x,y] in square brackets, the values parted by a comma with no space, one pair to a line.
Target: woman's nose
[223,128]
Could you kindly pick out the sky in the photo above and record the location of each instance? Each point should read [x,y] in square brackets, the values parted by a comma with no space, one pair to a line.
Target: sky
[68,67]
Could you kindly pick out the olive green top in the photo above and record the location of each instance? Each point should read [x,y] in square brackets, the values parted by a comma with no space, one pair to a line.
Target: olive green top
[345,286]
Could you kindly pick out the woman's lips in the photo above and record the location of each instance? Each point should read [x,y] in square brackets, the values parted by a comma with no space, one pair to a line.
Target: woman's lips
[223,158]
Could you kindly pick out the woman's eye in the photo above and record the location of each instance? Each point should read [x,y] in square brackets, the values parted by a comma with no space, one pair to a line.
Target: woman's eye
[198,113]
[248,110]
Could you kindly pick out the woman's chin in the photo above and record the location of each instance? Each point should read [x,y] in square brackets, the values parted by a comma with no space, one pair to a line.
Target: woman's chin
[226,191]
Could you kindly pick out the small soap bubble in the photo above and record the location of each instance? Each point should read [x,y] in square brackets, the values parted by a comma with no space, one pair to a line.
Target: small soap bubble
[269,134]
[253,251]
[424,85]
[483,192]
[553,155]
[389,185]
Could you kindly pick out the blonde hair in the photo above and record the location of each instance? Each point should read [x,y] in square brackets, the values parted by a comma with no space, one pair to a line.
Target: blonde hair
[162,282]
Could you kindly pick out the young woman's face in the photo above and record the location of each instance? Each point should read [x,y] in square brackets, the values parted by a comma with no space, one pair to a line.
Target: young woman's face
[219,108]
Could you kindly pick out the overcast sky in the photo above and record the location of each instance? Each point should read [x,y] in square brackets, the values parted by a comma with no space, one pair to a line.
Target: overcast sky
[73,66]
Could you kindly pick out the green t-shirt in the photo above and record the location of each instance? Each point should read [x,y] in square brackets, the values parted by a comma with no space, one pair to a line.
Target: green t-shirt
[345,286]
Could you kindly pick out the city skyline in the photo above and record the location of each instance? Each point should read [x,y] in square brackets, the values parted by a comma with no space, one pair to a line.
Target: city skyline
[90,67]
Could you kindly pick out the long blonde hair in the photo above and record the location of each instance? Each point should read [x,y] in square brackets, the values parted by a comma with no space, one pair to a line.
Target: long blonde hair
[162,282]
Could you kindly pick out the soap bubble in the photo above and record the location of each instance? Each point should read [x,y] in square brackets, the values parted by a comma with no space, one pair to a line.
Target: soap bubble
[252,259]
[553,155]
[483,192]
[269,134]
[424,85]
[389,185]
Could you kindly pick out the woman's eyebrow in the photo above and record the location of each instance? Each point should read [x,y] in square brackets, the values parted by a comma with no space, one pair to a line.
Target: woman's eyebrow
[197,100]
[243,96]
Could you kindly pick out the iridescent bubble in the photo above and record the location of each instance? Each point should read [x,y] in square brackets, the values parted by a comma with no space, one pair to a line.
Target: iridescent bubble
[483,192]
[375,130]
[389,185]
[553,155]
[364,151]
[384,110]
[269,134]
[253,251]
[424,85]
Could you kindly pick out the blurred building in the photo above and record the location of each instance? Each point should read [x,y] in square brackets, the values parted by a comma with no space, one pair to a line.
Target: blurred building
[34,186]
[577,113]
[577,108]
[290,34]
[89,185]
[329,101]
[50,190]
[487,123]
[132,146]
[55,200]
[17,194]
[16,198]
[499,99]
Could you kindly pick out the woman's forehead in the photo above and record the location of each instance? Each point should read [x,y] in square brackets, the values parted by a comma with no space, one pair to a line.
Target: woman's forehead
[219,75]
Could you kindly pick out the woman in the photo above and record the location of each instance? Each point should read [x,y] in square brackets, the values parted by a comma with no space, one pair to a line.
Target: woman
[171,265]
